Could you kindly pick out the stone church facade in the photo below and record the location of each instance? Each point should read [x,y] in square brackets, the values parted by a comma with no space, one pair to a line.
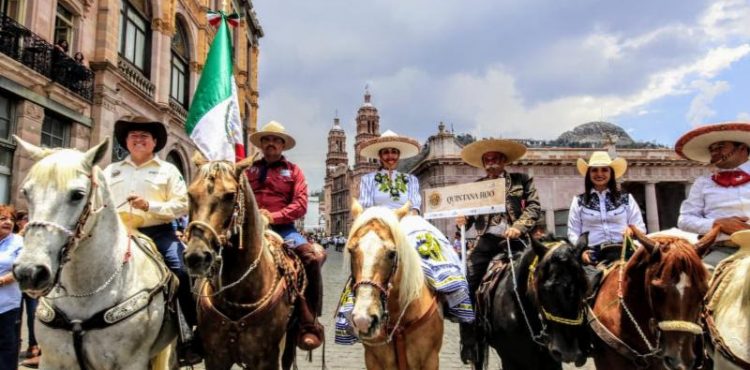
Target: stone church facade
[142,57]
[658,179]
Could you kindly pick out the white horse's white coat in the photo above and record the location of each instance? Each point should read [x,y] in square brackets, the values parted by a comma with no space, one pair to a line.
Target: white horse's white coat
[129,344]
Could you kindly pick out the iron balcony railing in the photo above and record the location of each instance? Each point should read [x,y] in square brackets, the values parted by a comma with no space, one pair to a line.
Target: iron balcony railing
[28,48]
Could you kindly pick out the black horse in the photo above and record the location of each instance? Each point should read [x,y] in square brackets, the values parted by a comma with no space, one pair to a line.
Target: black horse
[546,327]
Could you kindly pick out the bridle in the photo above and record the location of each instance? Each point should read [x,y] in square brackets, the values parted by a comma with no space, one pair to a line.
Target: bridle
[546,314]
[385,290]
[75,236]
[224,240]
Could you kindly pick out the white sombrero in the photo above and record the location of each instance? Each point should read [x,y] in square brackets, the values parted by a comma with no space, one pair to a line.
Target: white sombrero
[408,147]
[273,128]
[602,159]
[472,153]
[694,144]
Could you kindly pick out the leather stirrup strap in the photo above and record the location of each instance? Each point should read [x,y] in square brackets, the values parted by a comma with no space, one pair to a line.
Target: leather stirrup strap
[399,343]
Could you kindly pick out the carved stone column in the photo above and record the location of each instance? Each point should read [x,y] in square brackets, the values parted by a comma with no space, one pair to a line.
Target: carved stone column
[652,208]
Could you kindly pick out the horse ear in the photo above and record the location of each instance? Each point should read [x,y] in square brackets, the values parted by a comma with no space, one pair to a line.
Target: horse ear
[645,241]
[404,210]
[199,159]
[356,209]
[34,151]
[703,245]
[95,154]
[582,243]
[242,165]
[539,248]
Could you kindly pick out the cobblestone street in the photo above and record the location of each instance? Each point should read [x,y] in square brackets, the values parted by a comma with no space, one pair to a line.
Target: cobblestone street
[339,357]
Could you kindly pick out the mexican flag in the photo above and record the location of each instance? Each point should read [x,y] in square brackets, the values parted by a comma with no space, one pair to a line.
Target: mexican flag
[213,121]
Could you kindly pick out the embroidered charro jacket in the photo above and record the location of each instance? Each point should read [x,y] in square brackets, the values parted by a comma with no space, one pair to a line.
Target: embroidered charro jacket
[522,208]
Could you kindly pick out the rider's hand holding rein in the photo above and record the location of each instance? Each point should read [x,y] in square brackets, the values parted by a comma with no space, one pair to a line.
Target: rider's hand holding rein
[138,202]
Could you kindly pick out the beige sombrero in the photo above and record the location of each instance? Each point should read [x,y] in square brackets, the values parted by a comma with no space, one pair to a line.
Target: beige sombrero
[472,153]
[389,139]
[273,128]
[742,238]
[602,159]
[694,144]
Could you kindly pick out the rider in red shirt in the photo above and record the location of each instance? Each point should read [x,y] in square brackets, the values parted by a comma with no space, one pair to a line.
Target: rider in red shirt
[281,192]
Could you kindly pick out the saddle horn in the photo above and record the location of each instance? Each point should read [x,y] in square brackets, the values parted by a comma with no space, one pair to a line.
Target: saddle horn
[645,241]
[703,245]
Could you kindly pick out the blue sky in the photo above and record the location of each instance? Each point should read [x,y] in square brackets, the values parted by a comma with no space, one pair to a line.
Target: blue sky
[531,69]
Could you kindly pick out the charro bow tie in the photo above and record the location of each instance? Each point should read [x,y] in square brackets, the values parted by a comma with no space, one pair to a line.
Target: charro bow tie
[731,178]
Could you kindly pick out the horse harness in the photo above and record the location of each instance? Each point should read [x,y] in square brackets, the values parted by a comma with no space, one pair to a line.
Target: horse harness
[640,360]
[52,317]
[715,291]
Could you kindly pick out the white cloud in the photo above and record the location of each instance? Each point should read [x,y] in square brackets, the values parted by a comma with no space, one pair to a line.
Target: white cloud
[700,107]
[744,116]
[726,19]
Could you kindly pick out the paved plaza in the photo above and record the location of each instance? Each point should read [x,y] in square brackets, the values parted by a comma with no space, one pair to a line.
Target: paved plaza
[339,357]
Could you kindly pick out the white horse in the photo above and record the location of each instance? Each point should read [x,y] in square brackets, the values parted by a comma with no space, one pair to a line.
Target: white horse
[103,302]
[729,308]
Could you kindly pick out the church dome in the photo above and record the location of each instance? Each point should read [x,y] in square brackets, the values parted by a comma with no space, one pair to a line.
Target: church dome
[598,133]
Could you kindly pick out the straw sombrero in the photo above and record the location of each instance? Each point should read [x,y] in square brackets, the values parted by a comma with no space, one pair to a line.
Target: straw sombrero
[408,147]
[124,125]
[273,128]
[472,153]
[742,239]
[602,159]
[694,144]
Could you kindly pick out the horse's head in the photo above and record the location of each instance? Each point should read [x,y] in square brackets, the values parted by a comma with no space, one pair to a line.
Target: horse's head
[217,207]
[382,265]
[560,289]
[61,189]
[675,282]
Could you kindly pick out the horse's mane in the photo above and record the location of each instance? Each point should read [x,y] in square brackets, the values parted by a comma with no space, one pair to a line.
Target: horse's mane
[214,168]
[737,285]
[60,167]
[412,278]
[677,256]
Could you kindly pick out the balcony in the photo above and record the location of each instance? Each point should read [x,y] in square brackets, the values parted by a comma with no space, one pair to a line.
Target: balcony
[29,49]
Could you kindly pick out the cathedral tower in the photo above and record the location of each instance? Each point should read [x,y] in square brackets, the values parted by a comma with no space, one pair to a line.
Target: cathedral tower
[336,154]
[368,127]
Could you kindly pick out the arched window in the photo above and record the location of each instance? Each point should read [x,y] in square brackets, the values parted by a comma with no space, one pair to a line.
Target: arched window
[180,59]
[135,33]
[174,158]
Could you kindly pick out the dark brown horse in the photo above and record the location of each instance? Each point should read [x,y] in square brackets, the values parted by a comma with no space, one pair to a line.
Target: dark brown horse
[538,308]
[646,314]
[246,300]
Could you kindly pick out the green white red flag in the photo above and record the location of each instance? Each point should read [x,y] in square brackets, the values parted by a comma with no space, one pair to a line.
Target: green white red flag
[213,121]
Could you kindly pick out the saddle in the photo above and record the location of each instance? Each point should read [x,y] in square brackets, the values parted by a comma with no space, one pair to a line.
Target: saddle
[497,270]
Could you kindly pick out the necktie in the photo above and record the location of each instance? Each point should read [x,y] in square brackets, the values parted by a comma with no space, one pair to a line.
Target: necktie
[731,178]
[264,169]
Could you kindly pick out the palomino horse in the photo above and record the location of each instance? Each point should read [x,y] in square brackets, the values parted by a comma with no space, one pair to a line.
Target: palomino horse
[537,310]
[727,311]
[103,304]
[246,302]
[391,300]
[647,309]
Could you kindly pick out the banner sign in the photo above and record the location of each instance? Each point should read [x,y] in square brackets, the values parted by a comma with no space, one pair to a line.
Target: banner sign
[474,198]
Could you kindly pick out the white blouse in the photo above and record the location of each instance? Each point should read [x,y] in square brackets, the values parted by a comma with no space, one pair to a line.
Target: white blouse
[380,189]
[604,217]
[708,201]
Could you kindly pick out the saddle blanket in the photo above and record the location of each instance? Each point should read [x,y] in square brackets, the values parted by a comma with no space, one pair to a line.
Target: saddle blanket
[442,269]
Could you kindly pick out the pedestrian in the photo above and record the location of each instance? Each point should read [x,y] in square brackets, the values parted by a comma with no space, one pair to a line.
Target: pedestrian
[280,189]
[457,243]
[10,293]
[522,213]
[719,199]
[153,189]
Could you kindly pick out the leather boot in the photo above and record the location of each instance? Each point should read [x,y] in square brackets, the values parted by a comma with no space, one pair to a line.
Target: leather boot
[311,304]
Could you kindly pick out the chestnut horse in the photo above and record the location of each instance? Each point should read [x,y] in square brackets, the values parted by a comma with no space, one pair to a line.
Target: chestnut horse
[395,316]
[537,311]
[647,309]
[247,299]
[727,312]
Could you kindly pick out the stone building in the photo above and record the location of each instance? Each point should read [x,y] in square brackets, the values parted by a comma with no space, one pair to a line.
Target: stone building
[142,57]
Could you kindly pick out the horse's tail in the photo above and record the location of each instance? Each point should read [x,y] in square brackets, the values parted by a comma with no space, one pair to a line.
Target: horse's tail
[163,361]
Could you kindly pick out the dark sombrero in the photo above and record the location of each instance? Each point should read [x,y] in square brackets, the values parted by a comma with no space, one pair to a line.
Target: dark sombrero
[136,123]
